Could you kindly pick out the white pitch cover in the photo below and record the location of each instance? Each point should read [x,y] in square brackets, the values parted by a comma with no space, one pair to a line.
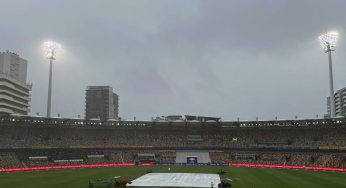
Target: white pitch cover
[176,180]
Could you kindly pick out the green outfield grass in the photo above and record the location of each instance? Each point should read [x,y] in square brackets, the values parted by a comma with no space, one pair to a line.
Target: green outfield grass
[242,177]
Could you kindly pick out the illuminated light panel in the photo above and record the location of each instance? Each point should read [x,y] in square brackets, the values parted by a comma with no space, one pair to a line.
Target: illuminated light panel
[146,164]
[290,167]
[328,41]
[150,164]
[51,49]
[65,167]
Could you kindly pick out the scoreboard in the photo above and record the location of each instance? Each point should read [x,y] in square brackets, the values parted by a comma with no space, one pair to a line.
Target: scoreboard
[191,160]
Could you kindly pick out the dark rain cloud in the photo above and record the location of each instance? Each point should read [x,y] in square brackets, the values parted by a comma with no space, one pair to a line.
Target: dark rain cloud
[219,58]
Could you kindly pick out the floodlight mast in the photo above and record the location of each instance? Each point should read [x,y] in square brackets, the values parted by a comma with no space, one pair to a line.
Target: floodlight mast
[328,43]
[51,49]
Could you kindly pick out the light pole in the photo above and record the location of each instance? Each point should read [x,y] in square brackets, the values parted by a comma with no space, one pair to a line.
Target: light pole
[51,50]
[328,43]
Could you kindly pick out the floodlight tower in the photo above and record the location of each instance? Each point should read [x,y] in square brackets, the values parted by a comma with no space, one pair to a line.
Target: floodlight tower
[328,43]
[51,50]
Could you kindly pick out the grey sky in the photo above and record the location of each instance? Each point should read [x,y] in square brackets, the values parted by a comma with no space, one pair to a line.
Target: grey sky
[216,58]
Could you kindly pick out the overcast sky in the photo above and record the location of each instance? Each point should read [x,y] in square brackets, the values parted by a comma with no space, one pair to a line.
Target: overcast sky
[162,57]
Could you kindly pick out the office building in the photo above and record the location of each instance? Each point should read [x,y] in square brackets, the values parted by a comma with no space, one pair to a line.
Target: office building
[14,91]
[340,103]
[101,103]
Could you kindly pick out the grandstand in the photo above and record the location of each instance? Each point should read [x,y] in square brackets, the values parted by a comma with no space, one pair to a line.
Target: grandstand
[36,141]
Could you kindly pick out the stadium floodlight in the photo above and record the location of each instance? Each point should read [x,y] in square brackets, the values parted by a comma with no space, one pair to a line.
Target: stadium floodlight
[51,49]
[328,43]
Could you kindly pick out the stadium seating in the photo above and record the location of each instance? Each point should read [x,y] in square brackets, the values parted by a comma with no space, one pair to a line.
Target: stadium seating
[31,143]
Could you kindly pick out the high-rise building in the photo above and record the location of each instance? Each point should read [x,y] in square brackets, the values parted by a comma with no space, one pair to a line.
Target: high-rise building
[14,91]
[340,103]
[101,103]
